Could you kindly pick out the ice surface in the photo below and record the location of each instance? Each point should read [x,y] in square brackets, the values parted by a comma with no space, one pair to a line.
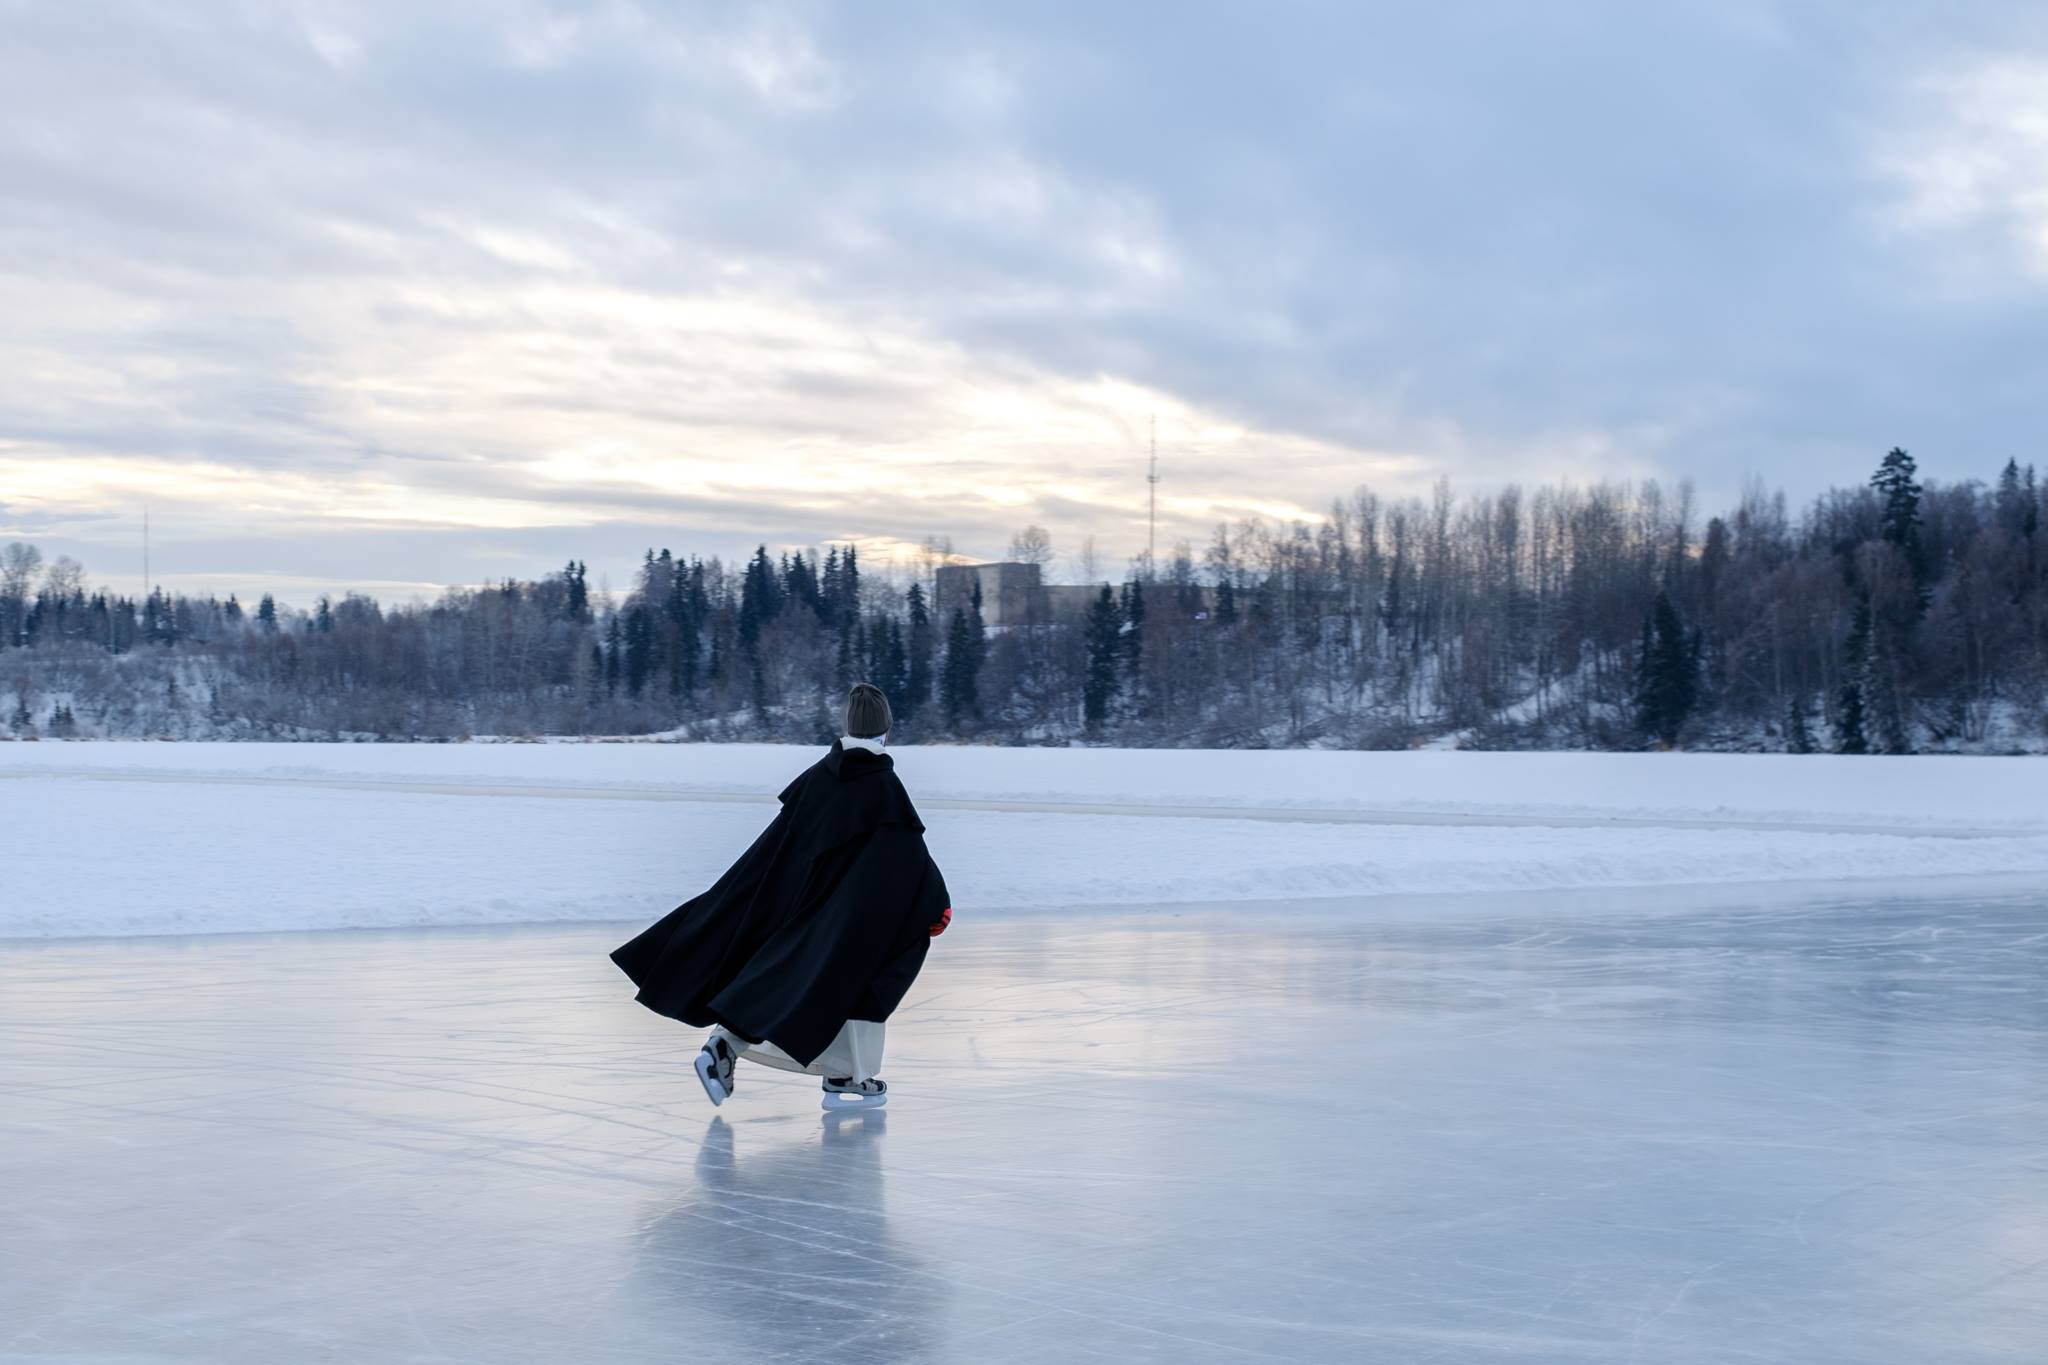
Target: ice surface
[1727,1133]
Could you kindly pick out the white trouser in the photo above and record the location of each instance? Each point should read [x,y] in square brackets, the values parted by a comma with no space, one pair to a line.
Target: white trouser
[856,1054]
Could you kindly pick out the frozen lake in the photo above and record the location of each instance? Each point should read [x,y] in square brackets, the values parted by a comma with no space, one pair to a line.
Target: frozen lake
[1803,1131]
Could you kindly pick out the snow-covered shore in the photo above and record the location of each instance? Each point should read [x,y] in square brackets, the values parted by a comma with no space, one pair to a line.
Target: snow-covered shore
[140,838]
[1933,792]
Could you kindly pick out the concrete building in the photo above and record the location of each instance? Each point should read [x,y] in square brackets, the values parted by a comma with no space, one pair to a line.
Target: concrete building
[1011,594]
[1016,594]
[1070,599]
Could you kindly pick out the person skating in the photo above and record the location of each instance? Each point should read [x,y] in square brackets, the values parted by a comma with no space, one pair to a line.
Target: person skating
[801,951]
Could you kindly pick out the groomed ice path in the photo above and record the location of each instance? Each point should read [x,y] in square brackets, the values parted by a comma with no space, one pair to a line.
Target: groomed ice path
[1629,1126]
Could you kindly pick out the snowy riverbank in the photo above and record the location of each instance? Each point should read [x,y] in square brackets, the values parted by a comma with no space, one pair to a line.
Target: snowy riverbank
[139,838]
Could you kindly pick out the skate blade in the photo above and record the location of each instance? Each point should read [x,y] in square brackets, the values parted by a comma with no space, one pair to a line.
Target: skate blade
[836,1103]
[705,1075]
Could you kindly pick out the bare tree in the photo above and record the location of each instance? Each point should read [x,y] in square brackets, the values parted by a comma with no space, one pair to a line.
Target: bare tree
[20,563]
[1088,563]
[1032,545]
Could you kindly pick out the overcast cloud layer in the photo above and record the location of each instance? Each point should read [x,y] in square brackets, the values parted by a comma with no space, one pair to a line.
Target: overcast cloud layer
[389,295]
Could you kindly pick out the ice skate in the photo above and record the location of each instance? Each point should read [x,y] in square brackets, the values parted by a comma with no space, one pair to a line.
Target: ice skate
[715,1067]
[843,1096]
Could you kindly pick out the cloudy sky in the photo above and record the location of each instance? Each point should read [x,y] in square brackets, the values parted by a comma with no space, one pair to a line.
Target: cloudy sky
[389,295]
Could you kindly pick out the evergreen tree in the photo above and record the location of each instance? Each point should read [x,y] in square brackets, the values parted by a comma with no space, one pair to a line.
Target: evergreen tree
[1226,601]
[895,669]
[956,682]
[1895,481]
[696,618]
[2019,510]
[1646,653]
[800,584]
[2010,506]
[576,600]
[323,619]
[1849,738]
[757,686]
[614,649]
[917,677]
[266,615]
[681,634]
[1798,734]
[1668,680]
[1133,660]
[1856,652]
[1714,556]
[1104,645]
[977,653]
[760,596]
[830,591]
[844,614]
[1900,519]
[674,628]
[1695,644]
[639,650]
[843,654]
[1879,693]
[883,661]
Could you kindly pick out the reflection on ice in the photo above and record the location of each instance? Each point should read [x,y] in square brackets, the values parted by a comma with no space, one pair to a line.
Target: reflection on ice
[785,1251]
[1451,1132]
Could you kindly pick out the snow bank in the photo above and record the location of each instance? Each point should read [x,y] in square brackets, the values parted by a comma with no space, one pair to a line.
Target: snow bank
[1953,793]
[111,839]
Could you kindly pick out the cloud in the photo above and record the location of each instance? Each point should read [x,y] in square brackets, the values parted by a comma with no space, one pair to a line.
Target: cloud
[1973,164]
[565,278]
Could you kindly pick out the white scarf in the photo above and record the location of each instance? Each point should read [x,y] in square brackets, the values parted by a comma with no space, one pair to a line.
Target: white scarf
[873,746]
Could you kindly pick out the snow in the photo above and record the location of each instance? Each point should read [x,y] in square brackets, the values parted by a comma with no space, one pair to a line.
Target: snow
[141,838]
[1926,793]
[1937,791]
[1806,1133]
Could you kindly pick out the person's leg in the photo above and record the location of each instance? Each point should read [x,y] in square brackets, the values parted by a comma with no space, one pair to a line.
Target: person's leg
[862,1041]
[855,1052]
[849,1066]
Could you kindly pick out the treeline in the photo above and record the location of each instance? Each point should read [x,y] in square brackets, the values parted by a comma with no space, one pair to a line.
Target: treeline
[1897,616]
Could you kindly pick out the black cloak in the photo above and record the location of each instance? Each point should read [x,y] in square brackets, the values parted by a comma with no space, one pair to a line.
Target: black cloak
[826,918]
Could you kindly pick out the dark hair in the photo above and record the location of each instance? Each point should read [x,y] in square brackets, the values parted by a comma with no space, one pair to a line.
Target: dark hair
[867,712]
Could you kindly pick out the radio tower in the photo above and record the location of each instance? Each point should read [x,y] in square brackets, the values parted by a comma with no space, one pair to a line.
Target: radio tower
[1152,504]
